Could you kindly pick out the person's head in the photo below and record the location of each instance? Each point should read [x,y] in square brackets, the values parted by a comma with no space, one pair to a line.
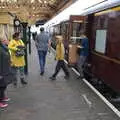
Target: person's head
[83,35]
[59,38]
[16,36]
[4,41]
[41,29]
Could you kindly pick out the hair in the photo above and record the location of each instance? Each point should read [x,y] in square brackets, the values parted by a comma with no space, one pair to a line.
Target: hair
[59,38]
[15,35]
[42,29]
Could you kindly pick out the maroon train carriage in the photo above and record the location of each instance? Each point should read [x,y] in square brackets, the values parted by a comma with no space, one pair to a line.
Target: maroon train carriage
[103,31]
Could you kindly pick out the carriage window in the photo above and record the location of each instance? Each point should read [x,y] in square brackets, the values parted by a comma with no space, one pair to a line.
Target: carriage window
[100,44]
[77,29]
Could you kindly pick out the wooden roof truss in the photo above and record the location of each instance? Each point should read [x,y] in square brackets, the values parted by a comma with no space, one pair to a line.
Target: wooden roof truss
[32,10]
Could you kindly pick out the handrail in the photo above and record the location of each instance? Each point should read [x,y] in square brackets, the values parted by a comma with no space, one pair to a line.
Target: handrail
[107,58]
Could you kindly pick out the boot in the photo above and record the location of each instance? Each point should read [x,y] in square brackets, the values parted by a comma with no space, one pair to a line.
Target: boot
[23,81]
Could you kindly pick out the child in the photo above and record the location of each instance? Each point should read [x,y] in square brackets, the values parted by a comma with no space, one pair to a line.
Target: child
[17,62]
[60,59]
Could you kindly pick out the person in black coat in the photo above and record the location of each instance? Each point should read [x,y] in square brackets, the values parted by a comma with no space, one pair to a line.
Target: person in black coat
[5,72]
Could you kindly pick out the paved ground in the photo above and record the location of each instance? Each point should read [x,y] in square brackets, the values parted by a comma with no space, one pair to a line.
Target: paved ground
[43,99]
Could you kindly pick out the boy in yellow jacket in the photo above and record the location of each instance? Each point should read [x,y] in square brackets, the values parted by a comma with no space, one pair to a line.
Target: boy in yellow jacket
[60,59]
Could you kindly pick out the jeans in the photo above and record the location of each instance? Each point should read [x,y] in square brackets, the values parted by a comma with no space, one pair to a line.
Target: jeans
[81,62]
[18,72]
[42,59]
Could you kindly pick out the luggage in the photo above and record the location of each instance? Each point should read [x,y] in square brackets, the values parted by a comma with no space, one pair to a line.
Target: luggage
[72,56]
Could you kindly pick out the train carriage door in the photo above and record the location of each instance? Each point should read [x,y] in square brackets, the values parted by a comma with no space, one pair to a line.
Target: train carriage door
[76,29]
[113,46]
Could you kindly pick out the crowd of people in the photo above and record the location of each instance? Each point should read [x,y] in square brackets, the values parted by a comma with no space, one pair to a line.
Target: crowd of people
[12,60]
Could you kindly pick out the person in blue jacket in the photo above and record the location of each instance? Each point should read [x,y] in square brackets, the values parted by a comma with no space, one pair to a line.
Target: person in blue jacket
[84,52]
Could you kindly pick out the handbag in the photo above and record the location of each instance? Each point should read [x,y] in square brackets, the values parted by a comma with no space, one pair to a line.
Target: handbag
[20,52]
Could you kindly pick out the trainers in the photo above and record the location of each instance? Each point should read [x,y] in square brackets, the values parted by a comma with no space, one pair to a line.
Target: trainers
[3,105]
[67,77]
[42,73]
[80,77]
[23,81]
[6,99]
[52,78]
[15,84]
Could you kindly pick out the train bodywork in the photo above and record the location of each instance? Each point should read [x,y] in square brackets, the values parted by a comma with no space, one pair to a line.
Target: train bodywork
[102,27]
[103,31]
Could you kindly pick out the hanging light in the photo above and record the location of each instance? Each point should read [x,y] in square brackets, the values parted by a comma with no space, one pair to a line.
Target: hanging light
[33,8]
[40,1]
[10,1]
[32,1]
[2,0]
[45,1]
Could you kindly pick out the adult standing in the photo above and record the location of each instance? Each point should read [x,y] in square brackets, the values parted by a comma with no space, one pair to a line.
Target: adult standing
[6,76]
[84,52]
[42,42]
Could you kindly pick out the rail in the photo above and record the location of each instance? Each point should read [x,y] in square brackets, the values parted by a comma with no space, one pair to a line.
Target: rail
[107,58]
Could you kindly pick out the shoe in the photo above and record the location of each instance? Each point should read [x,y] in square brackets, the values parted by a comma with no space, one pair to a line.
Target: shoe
[80,77]
[6,99]
[67,77]
[15,84]
[52,78]
[42,73]
[23,81]
[3,105]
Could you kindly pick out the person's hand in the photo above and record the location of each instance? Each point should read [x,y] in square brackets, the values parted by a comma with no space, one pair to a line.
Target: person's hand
[21,47]
[49,50]
[1,77]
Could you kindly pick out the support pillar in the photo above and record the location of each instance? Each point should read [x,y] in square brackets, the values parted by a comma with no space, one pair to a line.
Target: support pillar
[24,24]
[29,38]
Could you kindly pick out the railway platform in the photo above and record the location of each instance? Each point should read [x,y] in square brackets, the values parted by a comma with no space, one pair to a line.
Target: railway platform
[43,99]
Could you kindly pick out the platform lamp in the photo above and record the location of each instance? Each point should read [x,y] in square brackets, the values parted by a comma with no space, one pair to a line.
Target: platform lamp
[17,25]
[29,38]
[25,25]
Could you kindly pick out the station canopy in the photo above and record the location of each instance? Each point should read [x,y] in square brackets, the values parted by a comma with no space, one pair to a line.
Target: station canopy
[34,10]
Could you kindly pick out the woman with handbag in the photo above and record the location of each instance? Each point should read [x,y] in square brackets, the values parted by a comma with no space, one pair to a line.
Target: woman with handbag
[6,76]
[16,47]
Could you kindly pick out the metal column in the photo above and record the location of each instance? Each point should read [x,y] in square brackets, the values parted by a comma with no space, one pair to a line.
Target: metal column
[24,24]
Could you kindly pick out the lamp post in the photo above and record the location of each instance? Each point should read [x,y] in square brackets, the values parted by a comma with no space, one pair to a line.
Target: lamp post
[24,24]
[29,38]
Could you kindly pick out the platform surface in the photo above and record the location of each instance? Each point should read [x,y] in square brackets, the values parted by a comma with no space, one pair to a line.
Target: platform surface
[62,99]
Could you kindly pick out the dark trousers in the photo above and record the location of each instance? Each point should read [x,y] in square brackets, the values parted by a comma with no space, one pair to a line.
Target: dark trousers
[61,64]
[2,92]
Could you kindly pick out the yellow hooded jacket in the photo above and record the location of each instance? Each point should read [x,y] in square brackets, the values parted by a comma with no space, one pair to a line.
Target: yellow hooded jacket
[60,51]
[16,61]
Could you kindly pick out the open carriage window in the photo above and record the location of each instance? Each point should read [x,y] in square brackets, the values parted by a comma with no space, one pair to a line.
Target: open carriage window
[77,28]
[100,43]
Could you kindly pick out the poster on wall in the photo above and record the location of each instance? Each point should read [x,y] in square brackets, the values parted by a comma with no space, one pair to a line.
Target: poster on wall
[100,44]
